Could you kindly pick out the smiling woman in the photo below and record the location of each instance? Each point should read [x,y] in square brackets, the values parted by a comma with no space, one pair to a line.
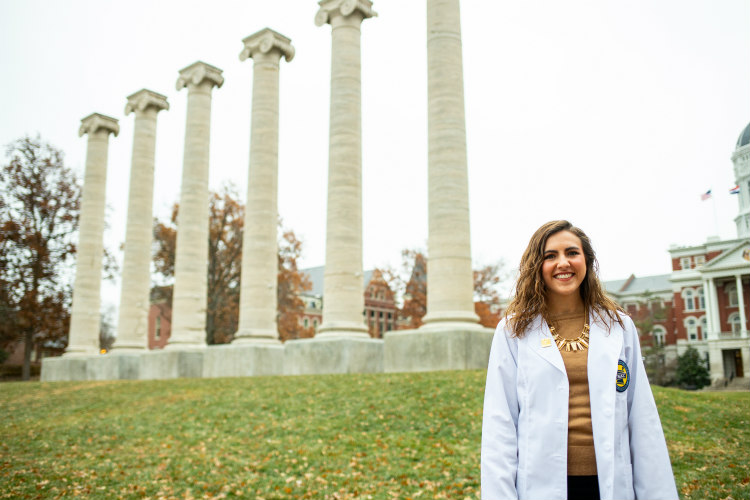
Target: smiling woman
[568,410]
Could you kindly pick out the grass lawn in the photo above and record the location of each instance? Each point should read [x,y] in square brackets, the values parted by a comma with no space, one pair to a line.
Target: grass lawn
[337,436]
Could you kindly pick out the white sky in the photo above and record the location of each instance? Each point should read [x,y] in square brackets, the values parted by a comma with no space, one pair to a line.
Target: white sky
[614,115]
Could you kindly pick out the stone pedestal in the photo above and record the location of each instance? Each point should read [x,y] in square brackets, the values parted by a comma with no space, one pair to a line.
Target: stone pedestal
[115,366]
[132,324]
[243,360]
[191,253]
[65,368]
[85,316]
[258,294]
[440,347]
[343,279]
[324,355]
[450,279]
[168,364]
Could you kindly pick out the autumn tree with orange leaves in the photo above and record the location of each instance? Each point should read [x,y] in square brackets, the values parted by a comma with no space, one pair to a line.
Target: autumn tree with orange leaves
[226,220]
[290,283]
[413,291]
[486,296]
[39,208]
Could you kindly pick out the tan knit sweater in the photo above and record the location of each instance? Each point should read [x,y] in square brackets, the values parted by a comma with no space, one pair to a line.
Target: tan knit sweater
[581,458]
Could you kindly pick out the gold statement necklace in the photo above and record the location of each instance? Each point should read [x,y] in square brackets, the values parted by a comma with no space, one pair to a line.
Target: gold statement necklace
[580,343]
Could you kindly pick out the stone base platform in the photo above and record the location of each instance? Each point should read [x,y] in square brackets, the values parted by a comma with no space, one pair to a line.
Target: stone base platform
[243,360]
[430,348]
[439,347]
[169,363]
[114,366]
[64,368]
[323,355]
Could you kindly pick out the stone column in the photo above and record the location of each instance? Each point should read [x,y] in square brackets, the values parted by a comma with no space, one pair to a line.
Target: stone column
[343,286]
[715,308]
[709,334]
[741,303]
[85,317]
[132,324]
[191,253]
[450,279]
[258,292]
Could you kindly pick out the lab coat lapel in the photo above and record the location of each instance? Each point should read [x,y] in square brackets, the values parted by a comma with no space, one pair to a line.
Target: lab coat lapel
[538,332]
[604,349]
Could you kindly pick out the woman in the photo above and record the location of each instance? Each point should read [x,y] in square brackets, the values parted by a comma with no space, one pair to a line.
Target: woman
[568,410]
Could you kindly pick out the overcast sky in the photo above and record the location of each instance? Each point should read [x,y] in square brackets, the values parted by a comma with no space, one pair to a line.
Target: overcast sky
[614,115]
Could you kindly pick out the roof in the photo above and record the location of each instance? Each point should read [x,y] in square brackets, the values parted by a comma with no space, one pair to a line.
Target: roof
[316,278]
[635,285]
[744,138]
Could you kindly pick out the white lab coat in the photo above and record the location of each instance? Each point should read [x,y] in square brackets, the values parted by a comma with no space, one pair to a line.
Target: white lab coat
[525,427]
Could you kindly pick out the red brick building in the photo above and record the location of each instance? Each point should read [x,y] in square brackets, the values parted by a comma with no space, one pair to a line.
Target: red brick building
[380,304]
[705,301]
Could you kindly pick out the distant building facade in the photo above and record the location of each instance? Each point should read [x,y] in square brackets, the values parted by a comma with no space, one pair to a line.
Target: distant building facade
[380,304]
[705,301]
[379,314]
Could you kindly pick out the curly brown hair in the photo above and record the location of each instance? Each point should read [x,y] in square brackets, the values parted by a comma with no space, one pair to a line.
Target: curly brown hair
[530,299]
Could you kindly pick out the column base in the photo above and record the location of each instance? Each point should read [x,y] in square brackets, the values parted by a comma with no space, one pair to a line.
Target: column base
[128,348]
[317,356]
[461,317]
[243,360]
[434,347]
[181,346]
[342,329]
[252,336]
[80,351]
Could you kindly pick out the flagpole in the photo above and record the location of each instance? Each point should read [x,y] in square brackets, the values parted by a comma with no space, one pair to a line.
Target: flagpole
[716,221]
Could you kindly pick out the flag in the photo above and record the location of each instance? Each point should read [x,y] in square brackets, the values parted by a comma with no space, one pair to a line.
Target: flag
[706,195]
[735,190]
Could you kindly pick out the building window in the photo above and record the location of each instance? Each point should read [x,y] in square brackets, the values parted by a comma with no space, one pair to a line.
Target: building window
[735,323]
[701,299]
[691,325]
[687,294]
[700,260]
[157,328]
[703,328]
[315,324]
[659,334]
[685,262]
[306,322]
[732,293]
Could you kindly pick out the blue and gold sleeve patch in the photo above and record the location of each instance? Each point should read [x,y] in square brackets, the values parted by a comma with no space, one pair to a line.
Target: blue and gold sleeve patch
[623,376]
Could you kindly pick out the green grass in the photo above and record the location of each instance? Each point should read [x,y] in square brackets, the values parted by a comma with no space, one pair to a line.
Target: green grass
[339,436]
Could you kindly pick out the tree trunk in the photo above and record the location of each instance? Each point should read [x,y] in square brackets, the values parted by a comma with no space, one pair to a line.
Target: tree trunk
[28,339]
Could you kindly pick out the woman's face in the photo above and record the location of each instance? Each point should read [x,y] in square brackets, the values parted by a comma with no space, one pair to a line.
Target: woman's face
[564,265]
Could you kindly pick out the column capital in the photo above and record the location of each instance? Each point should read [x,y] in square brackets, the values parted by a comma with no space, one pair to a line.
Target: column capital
[144,99]
[344,8]
[264,41]
[96,121]
[198,72]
